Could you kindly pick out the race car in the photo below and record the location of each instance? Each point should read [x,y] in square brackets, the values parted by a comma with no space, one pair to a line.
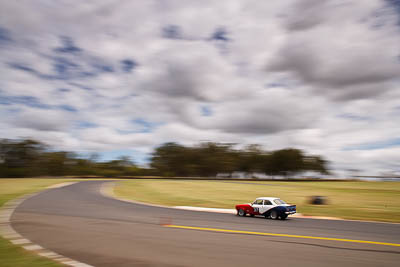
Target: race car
[270,207]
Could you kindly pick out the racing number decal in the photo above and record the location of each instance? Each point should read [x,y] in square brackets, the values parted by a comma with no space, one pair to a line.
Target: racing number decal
[255,209]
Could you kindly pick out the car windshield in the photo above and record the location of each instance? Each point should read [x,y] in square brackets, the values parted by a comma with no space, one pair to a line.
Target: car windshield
[279,201]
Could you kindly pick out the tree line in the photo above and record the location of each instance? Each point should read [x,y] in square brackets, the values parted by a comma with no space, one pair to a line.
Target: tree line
[30,158]
[212,159]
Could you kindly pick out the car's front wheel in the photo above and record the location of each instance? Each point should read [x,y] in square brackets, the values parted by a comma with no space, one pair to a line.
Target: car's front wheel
[241,213]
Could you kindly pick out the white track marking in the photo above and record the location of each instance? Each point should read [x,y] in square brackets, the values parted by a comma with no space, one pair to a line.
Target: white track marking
[229,211]
[33,247]
[60,185]
[21,241]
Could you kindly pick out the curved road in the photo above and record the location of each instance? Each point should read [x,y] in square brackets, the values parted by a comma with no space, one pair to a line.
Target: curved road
[78,222]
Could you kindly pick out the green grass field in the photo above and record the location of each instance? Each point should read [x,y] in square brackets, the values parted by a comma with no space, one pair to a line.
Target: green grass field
[11,255]
[377,201]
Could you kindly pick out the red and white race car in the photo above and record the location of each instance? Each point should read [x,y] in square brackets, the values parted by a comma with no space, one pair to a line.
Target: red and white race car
[270,207]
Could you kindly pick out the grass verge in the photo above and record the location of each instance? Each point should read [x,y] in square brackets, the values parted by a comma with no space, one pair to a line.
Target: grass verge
[375,201]
[12,255]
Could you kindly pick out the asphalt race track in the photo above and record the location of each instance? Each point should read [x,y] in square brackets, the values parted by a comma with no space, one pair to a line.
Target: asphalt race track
[78,222]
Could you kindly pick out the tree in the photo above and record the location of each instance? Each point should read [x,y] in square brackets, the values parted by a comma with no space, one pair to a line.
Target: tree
[252,159]
[286,161]
[317,164]
[169,159]
[122,166]
[20,158]
[214,158]
[56,163]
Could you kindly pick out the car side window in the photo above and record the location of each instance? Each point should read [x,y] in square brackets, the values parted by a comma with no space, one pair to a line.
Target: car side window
[258,202]
[267,202]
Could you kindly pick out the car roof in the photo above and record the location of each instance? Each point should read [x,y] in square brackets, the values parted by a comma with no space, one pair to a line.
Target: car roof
[268,198]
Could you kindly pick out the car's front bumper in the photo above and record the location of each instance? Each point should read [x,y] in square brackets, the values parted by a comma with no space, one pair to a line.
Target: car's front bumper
[290,212]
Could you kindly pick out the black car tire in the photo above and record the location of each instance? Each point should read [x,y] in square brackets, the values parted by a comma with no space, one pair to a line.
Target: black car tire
[241,213]
[274,215]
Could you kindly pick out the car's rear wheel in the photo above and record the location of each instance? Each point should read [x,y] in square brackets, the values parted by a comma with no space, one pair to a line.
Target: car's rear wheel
[241,213]
[273,215]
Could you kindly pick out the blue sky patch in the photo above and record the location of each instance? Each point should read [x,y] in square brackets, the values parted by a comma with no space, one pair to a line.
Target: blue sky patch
[102,67]
[353,117]
[22,67]
[68,46]
[376,145]
[81,86]
[135,156]
[5,36]
[396,5]
[220,34]
[172,32]
[33,102]
[29,101]
[128,65]
[64,67]
[86,124]
[206,111]
[146,126]
[67,69]
[275,84]
[68,108]
[64,90]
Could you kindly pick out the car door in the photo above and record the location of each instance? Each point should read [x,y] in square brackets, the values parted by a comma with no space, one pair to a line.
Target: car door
[257,205]
[266,206]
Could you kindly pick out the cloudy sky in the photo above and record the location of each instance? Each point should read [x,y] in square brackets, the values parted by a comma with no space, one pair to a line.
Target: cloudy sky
[122,77]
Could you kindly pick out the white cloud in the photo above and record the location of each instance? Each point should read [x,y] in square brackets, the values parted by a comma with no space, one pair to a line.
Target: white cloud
[319,75]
